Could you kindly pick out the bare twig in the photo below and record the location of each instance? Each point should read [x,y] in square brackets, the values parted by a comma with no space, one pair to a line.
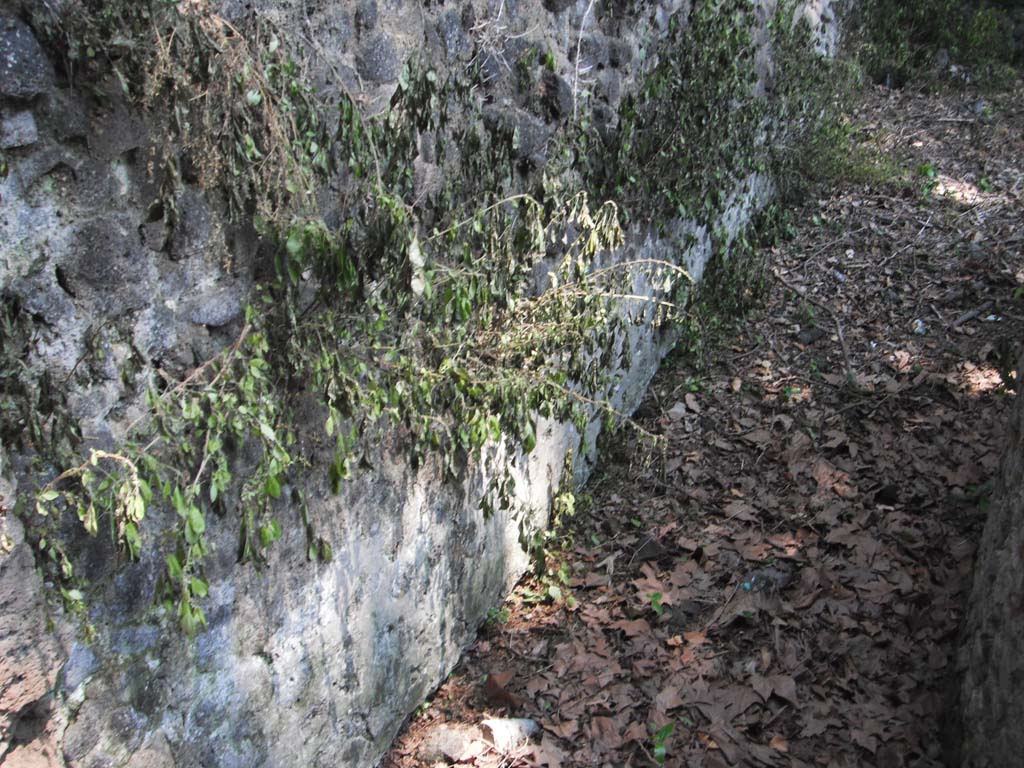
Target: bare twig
[830,244]
[579,48]
[966,317]
[835,318]
[721,609]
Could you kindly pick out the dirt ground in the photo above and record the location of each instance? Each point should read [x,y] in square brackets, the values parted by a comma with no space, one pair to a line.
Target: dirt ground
[782,581]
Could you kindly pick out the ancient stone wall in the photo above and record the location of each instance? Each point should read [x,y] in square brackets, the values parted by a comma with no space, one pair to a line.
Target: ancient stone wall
[301,663]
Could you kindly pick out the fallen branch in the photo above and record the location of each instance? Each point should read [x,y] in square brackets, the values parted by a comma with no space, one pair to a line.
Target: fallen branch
[966,317]
[850,378]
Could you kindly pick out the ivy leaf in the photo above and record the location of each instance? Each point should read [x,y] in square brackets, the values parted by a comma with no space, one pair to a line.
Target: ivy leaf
[270,533]
[294,243]
[196,521]
[199,587]
[136,508]
[90,520]
[186,618]
[326,553]
[132,539]
[273,487]
[174,568]
[178,500]
[529,439]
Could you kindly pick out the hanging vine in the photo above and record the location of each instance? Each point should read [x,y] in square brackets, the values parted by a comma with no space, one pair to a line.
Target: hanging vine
[425,322]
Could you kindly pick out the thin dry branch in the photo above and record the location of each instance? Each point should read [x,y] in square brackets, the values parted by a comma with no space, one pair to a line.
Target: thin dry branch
[850,378]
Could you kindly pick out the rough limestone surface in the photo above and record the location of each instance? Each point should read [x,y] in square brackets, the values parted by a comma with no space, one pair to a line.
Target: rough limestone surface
[989,708]
[30,653]
[303,664]
[24,71]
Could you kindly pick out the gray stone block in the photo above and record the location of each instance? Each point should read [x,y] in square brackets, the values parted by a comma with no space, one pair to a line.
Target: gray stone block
[18,129]
[557,6]
[366,15]
[452,34]
[218,306]
[378,61]
[25,72]
[557,95]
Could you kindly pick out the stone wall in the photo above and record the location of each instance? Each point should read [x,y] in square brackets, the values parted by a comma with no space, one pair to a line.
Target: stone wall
[302,664]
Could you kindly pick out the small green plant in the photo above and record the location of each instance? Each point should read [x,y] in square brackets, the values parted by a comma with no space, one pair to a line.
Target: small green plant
[548,60]
[659,741]
[806,314]
[497,616]
[927,172]
[564,507]
[556,585]
[656,603]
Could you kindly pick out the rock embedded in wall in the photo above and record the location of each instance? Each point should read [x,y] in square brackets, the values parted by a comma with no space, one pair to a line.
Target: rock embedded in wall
[25,71]
[31,653]
[17,129]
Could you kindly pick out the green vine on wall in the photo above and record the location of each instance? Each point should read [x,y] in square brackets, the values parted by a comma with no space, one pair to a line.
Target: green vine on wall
[237,105]
[422,321]
[689,132]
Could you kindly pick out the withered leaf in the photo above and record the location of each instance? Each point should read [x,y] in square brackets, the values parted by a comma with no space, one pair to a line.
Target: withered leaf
[605,731]
[668,699]
[497,696]
[634,627]
[566,729]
